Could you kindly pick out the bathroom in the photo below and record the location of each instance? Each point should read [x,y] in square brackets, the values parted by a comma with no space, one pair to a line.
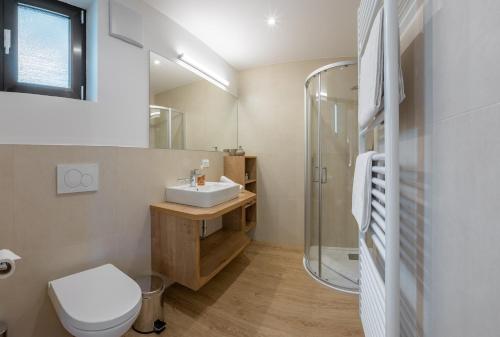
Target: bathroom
[156,90]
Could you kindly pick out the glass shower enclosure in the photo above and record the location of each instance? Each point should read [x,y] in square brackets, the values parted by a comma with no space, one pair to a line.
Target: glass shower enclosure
[166,128]
[331,233]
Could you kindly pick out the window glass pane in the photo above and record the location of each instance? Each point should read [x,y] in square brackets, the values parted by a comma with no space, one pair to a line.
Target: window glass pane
[44,47]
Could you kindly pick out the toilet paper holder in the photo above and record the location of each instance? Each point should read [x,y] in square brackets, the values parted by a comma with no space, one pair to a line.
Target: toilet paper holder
[7,263]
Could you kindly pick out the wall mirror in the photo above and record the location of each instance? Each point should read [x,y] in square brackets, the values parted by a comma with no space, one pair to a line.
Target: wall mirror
[187,112]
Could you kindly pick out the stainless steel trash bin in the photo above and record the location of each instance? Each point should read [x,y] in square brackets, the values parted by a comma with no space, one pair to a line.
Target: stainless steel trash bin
[150,318]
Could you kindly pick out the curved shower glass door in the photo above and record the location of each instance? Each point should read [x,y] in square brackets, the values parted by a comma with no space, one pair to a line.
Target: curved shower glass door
[331,233]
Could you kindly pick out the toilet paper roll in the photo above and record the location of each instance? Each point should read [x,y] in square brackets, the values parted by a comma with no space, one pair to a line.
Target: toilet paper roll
[7,263]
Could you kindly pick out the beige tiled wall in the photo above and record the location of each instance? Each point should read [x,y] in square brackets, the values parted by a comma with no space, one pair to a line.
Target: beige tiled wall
[58,235]
[271,126]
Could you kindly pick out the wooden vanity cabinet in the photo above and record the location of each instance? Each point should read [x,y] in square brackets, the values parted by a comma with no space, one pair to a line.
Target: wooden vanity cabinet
[181,255]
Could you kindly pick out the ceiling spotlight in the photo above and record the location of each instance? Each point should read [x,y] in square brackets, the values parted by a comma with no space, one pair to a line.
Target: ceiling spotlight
[157,62]
[271,21]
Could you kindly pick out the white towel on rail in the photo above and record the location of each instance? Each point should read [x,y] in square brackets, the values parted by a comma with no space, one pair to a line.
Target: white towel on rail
[225,179]
[361,190]
[366,14]
[371,74]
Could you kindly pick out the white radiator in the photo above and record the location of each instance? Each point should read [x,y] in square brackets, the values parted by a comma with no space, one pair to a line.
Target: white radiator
[372,285]
[379,246]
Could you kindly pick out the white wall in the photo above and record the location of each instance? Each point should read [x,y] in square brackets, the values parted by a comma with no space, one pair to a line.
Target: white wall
[462,49]
[415,184]
[449,166]
[118,116]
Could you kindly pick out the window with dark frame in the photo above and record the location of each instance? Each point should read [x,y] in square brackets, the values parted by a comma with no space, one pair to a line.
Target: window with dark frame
[43,48]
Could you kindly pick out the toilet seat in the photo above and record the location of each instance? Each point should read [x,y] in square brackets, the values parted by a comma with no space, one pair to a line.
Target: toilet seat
[98,302]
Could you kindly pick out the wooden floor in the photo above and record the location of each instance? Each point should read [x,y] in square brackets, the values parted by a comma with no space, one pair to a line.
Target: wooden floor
[264,292]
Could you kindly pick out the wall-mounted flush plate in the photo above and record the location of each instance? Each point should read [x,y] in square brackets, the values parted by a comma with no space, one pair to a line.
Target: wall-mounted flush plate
[205,163]
[75,178]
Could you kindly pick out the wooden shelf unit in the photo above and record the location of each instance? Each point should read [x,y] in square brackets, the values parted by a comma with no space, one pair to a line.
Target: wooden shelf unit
[236,168]
[181,255]
[250,216]
[218,249]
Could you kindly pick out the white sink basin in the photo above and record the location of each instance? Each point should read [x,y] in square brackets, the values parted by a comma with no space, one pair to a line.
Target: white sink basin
[213,193]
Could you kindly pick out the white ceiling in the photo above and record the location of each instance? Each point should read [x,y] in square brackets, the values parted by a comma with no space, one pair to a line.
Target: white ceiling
[237,29]
[167,75]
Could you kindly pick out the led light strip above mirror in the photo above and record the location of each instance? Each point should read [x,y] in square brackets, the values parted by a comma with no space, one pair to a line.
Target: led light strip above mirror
[185,62]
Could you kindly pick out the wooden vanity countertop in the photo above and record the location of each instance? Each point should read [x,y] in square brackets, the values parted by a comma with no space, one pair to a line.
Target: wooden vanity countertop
[202,213]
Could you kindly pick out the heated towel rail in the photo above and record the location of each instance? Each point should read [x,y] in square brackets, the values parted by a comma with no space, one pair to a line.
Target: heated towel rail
[379,266]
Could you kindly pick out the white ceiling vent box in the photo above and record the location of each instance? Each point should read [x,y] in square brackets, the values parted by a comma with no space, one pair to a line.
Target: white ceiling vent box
[125,24]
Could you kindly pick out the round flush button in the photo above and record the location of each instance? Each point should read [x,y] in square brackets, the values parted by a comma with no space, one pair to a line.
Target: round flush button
[73,178]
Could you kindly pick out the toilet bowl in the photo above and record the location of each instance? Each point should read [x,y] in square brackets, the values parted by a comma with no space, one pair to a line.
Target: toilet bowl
[99,302]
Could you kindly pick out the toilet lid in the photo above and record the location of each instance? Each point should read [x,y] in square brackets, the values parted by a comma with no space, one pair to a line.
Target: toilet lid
[96,299]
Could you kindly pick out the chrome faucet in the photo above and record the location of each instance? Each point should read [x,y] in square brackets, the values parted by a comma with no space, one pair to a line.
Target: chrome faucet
[193,177]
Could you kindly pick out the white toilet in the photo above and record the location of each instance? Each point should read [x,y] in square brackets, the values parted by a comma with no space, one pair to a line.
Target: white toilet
[99,302]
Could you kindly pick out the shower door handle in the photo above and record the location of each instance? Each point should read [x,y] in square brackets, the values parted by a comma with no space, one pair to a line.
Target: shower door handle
[315,178]
[324,175]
